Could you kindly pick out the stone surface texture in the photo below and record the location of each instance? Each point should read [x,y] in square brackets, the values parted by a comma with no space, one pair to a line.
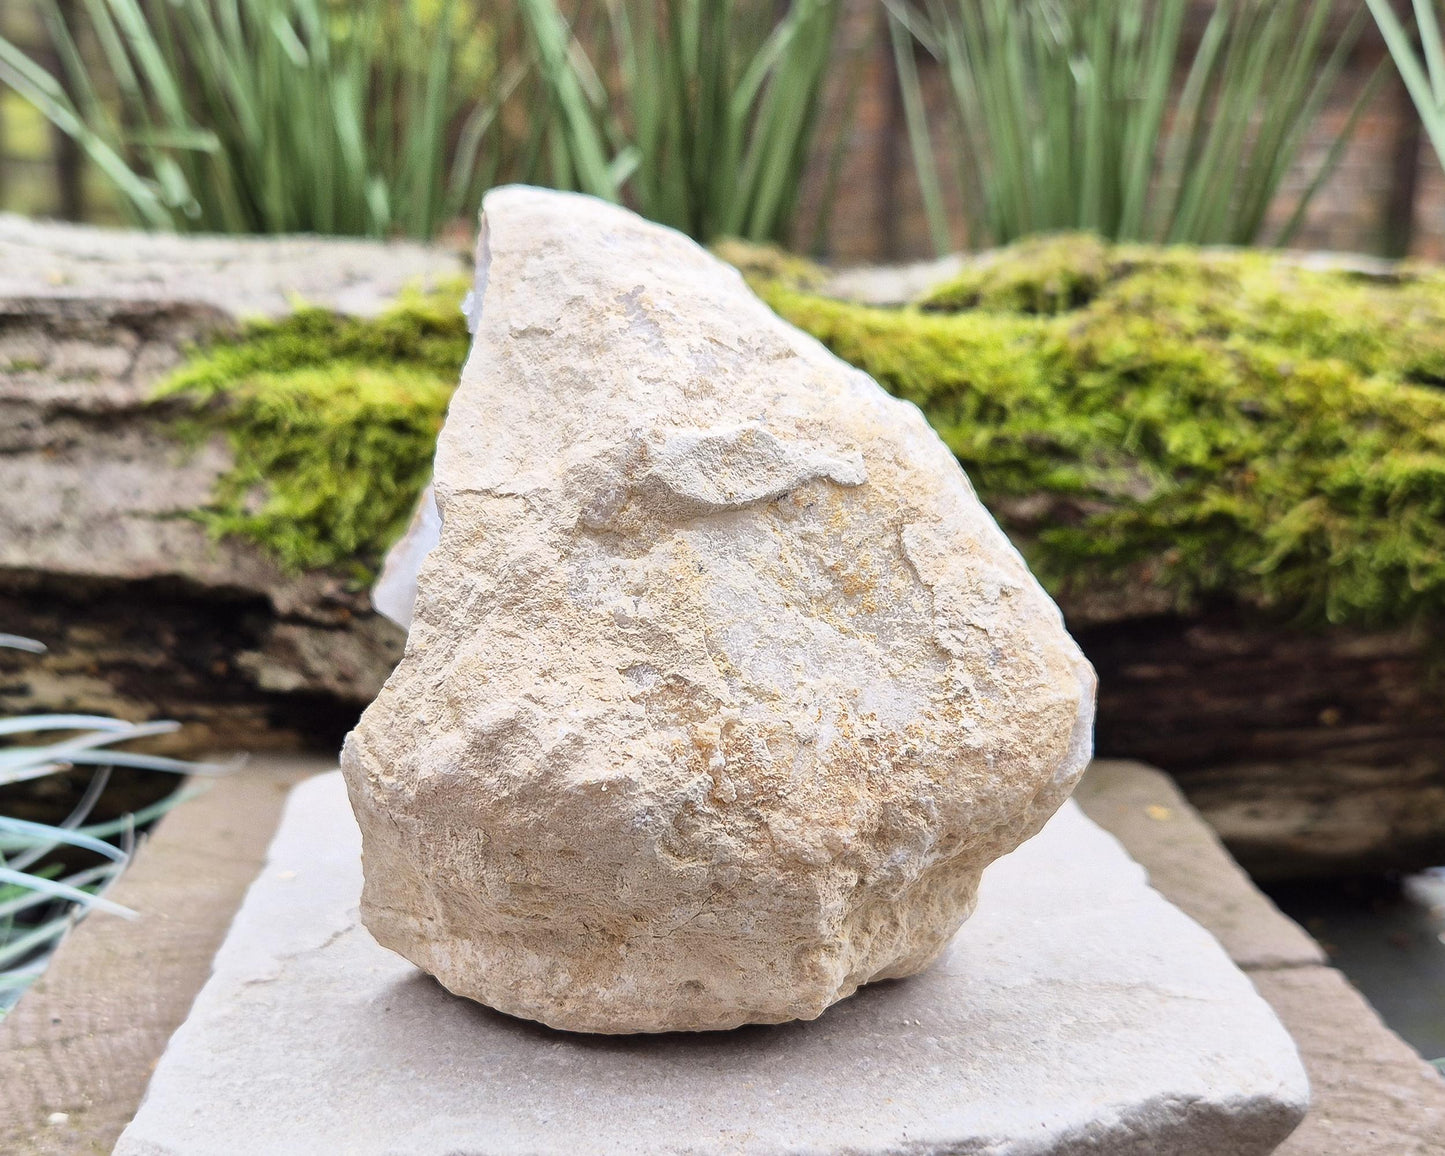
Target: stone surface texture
[1143,808]
[1077,1012]
[1371,1094]
[722,688]
[145,614]
[78,1049]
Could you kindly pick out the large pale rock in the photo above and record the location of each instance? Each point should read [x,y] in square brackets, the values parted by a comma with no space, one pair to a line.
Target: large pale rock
[722,688]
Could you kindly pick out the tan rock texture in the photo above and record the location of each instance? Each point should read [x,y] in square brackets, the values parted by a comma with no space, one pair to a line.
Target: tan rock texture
[722,688]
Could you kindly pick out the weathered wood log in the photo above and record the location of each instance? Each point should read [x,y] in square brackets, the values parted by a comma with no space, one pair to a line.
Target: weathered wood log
[1311,751]
[145,613]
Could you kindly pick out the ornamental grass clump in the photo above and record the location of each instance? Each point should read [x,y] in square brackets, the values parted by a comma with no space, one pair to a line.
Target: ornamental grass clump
[1421,60]
[1068,116]
[277,116]
[388,117]
[697,113]
[52,874]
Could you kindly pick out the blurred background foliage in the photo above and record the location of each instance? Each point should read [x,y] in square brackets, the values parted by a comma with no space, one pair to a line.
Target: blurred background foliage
[1152,119]
[1419,53]
[389,118]
[699,112]
[1073,118]
[269,116]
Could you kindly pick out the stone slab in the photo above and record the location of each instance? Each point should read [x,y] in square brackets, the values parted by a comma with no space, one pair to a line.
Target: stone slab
[241,277]
[1371,1094]
[1077,1012]
[1143,808]
[77,1050]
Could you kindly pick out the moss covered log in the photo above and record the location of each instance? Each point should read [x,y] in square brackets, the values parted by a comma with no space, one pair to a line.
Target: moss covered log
[1213,423]
[1207,423]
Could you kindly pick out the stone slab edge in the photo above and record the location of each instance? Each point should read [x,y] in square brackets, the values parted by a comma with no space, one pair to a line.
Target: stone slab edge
[242,277]
[1372,1094]
[78,1049]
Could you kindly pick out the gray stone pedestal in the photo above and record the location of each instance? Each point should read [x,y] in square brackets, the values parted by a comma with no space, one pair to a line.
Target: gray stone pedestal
[1076,1012]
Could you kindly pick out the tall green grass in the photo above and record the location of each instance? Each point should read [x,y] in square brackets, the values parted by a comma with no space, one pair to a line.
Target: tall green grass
[1422,68]
[699,113]
[370,117]
[1066,114]
[43,889]
[378,117]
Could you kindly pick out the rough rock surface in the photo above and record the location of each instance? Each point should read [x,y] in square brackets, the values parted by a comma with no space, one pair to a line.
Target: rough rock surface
[144,613]
[722,687]
[1076,1014]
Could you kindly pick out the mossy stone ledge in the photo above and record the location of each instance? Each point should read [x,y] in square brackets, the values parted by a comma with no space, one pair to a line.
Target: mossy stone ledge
[106,490]
[1229,467]
[332,422]
[1198,424]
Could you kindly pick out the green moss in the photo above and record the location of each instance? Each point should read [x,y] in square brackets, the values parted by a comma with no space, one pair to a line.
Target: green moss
[332,422]
[1047,274]
[1389,324]
[1221,424]
[770,264]
[1228,425]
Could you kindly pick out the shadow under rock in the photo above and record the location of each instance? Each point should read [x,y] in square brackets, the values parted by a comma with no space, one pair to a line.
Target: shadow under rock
[421,994]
